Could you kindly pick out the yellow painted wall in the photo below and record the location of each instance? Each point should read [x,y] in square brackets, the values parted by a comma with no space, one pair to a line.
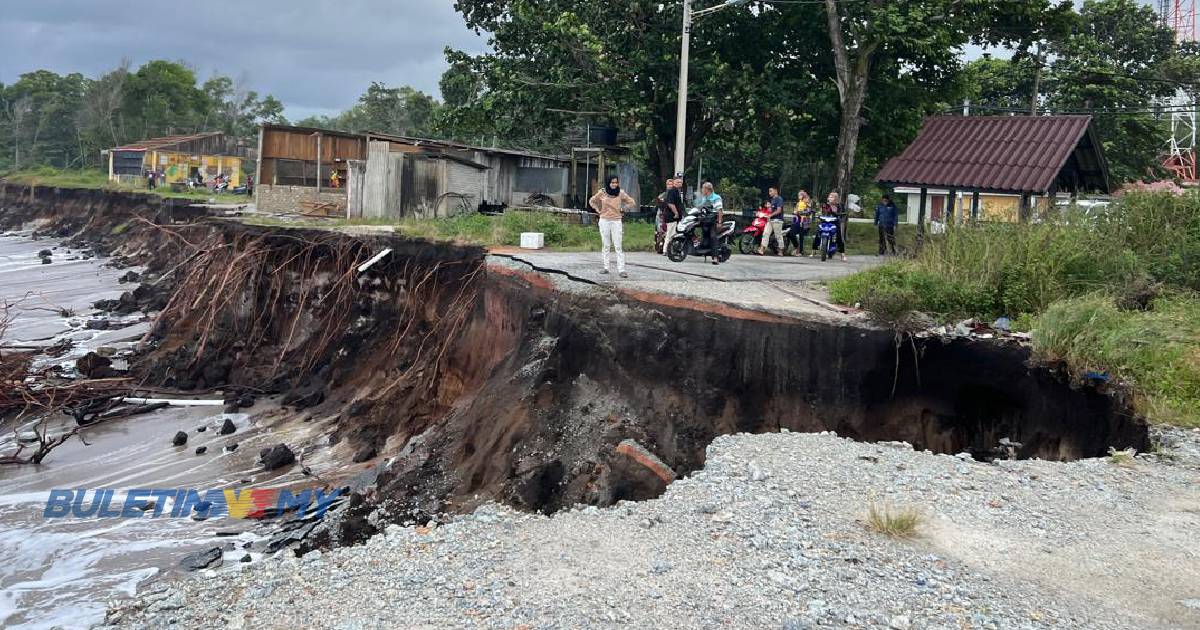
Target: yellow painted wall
[177,167]
[997,207]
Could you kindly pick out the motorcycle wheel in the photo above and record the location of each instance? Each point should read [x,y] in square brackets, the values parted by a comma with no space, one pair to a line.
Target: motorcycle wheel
[724,254]
[677,250]
[746,244]
[824,248]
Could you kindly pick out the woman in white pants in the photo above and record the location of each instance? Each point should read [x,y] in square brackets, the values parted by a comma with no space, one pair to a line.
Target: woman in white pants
[611,203]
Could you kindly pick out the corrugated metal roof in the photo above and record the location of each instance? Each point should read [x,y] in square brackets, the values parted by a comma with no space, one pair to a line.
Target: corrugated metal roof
[166,142]
[1020,154]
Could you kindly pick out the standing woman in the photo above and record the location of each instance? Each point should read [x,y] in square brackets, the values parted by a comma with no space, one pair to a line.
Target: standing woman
[801,222]
[610,203]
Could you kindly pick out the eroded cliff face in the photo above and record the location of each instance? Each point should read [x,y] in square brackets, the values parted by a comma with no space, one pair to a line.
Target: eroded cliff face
[555,382]
[456,381]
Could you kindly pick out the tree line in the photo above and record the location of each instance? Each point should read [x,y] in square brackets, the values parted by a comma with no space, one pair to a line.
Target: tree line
[66,120]
[816,93]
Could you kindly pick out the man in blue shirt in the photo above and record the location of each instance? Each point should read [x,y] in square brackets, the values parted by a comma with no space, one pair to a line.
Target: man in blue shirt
[887,215]
[709,197]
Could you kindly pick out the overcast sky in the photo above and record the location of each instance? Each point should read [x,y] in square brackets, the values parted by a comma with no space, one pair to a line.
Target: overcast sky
[316,56]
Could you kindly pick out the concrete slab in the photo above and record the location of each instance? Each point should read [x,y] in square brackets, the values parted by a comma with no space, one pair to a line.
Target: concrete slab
[788,286]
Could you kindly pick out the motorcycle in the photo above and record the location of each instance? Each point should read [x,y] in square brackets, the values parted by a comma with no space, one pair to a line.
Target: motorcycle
[827,230]
[689,237]
[750,238]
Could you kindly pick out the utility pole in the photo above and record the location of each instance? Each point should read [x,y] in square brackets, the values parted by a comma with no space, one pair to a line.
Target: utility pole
[681,106]
[1037,81]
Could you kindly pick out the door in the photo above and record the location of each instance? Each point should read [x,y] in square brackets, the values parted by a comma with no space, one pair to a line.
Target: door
[938,211]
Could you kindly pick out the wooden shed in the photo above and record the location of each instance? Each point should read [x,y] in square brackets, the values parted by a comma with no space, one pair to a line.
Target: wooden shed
[177,159]
[385,176]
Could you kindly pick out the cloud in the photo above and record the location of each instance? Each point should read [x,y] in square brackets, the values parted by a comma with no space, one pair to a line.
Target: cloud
[315,56]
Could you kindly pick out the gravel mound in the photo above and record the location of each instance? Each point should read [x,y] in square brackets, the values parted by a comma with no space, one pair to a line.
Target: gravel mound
[771,534]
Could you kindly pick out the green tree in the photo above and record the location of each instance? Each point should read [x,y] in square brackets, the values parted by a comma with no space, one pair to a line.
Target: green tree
[162,98]
[38,112]
[1118,57]
[558,63]
[402,111]
[237,111]
[921,38]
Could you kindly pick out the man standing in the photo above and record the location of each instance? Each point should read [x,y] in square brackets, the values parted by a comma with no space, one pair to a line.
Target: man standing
[774,224]
[660,217]
[674,204]
[709,198]
[886,218]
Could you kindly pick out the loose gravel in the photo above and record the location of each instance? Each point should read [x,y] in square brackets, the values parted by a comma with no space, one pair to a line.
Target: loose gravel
[771,534]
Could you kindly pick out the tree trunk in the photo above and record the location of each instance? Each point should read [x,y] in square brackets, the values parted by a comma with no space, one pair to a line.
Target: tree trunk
[852,92]
[848,135]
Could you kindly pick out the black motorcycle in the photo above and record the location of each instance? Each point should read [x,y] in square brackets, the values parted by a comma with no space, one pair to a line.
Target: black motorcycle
[690,237]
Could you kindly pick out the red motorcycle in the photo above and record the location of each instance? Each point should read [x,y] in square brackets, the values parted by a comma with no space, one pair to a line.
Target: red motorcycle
[752,235]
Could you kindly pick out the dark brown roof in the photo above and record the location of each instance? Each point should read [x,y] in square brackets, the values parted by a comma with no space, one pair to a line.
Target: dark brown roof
[1017,154]
[166,142]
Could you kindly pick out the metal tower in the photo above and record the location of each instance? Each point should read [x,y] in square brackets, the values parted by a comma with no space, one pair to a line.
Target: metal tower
[1180,17]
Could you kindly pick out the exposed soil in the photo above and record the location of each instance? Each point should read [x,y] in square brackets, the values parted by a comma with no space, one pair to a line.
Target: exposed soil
[456,382]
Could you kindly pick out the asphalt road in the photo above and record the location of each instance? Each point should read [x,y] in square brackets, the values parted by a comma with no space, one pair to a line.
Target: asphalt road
[784,285]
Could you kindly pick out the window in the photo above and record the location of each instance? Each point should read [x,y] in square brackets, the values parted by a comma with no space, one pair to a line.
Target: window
[295,173]
[548,181]
[128,162]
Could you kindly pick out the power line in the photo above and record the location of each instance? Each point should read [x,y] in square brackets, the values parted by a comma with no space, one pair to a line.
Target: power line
[1082,111]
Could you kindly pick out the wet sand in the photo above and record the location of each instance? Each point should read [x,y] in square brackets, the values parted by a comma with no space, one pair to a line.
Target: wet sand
[61,572]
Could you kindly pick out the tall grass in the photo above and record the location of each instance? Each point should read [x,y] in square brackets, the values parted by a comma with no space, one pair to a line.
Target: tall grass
[989,270]
[1157,350]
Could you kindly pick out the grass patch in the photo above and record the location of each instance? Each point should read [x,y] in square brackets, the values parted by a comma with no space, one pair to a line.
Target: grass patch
[894,522]
[1157,351]
[51,177]
[862,239]
[1123,457]
[506,229]
[995,269]
[494,231]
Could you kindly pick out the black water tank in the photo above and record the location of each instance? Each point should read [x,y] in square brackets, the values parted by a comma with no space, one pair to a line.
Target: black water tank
[602,136]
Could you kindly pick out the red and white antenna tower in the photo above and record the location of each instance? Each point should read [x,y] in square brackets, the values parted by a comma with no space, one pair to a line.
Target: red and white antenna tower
[1180,17]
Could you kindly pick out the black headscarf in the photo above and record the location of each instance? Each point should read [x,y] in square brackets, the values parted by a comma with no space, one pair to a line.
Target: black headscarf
[613,191]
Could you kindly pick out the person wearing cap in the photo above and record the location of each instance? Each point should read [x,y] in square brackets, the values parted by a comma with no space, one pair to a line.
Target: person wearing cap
[674,203]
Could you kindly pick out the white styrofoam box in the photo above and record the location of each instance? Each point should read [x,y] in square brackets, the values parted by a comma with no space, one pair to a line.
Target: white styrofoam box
[533,240]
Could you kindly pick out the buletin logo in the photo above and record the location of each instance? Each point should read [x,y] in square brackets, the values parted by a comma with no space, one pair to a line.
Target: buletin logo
[245,503]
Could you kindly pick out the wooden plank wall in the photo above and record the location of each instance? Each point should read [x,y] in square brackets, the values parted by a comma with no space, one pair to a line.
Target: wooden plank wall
[356,176]
[302,145]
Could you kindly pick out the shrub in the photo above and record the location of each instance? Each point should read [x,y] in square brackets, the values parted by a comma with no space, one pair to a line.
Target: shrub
[897,523]
[891,306]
